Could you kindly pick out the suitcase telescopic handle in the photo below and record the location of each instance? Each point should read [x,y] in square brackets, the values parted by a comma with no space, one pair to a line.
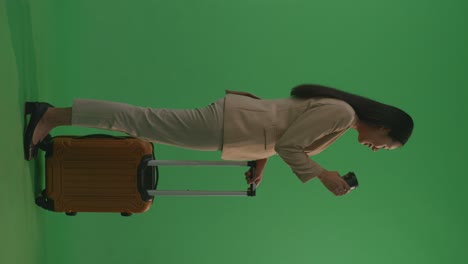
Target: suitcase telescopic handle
[251,191]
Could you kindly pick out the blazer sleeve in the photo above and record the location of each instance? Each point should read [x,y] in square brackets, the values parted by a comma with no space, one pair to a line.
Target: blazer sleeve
[308,127]
[242,93]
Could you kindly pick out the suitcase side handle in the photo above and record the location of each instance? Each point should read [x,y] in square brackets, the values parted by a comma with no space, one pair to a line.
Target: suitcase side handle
[102,136]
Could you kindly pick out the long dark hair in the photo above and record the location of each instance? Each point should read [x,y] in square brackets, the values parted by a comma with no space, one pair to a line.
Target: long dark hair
[369,111]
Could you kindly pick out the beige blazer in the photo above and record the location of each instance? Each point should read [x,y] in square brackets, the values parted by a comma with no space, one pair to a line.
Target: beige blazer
[293,128]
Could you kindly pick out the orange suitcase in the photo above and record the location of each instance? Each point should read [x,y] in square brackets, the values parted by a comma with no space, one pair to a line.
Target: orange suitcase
[102,173]
[97,173]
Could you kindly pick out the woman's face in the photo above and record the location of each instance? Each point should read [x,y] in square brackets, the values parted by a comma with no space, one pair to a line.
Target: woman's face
[376,138]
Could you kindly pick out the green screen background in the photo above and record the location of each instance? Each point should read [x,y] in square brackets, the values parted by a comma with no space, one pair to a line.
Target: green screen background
[411,203]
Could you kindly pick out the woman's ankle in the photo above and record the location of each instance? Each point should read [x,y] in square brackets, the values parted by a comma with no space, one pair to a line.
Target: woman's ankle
[60,116]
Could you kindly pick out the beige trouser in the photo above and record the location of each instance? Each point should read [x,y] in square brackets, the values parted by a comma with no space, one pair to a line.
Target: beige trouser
[199,129]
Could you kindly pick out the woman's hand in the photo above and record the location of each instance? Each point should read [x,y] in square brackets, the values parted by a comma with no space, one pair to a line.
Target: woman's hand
[334,183]
[257,178]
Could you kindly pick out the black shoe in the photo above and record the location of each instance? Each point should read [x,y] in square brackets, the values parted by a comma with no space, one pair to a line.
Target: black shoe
[37,111]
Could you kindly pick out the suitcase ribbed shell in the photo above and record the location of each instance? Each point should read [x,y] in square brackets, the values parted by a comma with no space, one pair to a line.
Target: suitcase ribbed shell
[96,174]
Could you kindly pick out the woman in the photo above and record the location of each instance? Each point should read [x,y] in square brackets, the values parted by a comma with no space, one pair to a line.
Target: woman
[243,127]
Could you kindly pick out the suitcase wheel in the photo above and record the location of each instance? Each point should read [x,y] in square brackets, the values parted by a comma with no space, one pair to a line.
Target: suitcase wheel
[41,201]
[44,202]
[71,213]
[126,214]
